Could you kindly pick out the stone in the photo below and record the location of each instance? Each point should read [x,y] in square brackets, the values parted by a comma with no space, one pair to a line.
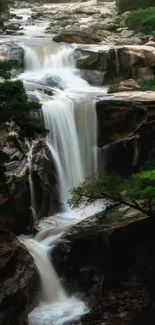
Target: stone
[104,233]
[125,85]
[151,43]
[107,24]
[123,61]
[12,51]
[95,78]
[79,37]
[126,129]
[13,26]
[54,81]
[19,279]
[126,33]
[18,203]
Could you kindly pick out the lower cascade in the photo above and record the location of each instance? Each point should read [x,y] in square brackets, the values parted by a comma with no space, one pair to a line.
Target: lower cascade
[55,307]
[70,116]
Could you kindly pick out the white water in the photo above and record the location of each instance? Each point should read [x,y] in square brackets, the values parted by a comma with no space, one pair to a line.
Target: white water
[55,307]
[69,116]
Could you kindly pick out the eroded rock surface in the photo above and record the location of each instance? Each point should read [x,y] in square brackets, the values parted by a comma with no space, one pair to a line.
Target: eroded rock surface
[17,171]
[136,62]
[107,258]
[126,129]
[19,280]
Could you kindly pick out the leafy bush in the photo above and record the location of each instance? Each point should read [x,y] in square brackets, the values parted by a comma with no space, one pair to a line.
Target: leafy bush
[142,20]
[3,5]
[15,106]
[148,84]
[129,5]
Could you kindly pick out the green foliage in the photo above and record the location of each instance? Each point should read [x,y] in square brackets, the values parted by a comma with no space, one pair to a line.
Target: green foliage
[148,84]
[3,5]
[128,5]
[15,106]
[137,191]
[95,188]
[142,20]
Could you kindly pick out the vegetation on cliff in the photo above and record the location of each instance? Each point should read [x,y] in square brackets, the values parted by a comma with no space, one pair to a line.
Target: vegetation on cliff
[141,20]
[148,84]
[14,105]
[137,191]
[3,5]
[126,5]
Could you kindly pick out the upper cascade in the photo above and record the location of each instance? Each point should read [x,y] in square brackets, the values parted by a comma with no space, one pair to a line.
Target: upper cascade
[70,114]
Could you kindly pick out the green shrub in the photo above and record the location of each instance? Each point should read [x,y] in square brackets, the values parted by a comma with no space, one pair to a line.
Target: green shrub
[148,84]
[129,5]
[142,20]
[3,5]
[15,106]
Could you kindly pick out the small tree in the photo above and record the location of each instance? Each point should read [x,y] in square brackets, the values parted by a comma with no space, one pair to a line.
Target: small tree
[137,192]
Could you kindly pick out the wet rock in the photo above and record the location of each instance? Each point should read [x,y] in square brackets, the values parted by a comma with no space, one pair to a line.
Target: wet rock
[94,77]
[116,62]
[79,37]
[17,204]
[54,81]
[12,51]
[97,249]
[19,280]
[13,26]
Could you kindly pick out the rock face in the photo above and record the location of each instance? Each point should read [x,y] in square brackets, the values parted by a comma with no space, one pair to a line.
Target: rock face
[125,61]
[19,280]
[126,129]
[107,258]
[13,51]
[18,203]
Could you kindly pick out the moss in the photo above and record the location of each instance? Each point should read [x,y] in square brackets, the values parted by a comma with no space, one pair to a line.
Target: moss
[148,84]
[129,5]
[114,85]
[142,20]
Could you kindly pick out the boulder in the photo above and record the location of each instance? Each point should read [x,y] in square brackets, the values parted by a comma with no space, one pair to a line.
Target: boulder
[95,78]
[19,279]
[120,61]
[76,36]
[13,51]
[54,81]
[125,85]
[106,258]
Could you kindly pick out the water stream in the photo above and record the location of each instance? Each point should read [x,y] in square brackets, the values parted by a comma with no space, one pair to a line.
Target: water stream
[70,116]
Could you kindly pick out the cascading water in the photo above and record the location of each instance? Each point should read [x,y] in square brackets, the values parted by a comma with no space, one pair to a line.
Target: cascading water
[70,117]
[55,307]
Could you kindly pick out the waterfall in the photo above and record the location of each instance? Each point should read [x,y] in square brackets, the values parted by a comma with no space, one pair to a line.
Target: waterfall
[55,307]
[70,115]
